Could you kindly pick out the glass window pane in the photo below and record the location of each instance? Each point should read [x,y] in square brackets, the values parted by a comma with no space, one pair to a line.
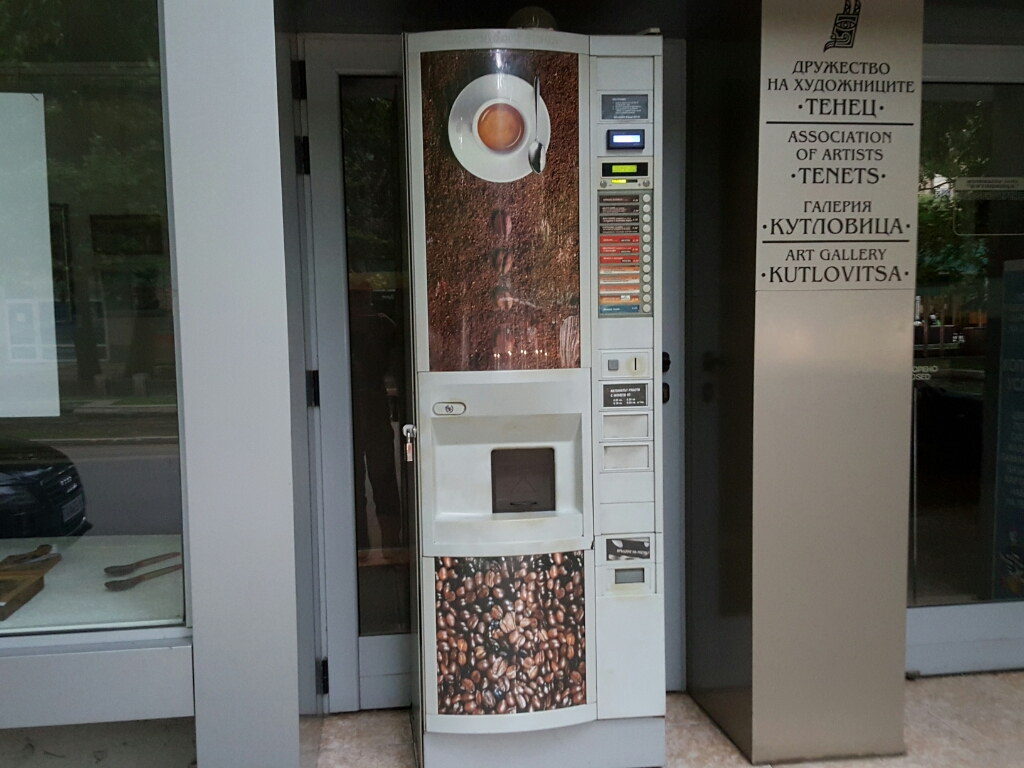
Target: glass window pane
[967,510]
[372,135]
[90,477]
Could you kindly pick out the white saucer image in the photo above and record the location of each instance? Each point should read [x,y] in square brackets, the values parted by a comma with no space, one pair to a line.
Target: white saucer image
[471,152]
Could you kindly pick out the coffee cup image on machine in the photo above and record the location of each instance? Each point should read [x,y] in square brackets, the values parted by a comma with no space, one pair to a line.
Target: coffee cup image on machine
[499,128]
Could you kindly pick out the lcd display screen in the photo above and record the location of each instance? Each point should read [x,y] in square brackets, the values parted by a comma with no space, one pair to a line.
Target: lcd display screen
[612,170]
[625,139]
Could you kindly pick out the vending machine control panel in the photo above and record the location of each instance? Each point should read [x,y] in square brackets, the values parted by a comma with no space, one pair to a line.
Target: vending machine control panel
[625,178]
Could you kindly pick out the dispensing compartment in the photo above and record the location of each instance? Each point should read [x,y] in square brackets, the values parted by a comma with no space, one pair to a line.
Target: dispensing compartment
[513,467]
[523,480]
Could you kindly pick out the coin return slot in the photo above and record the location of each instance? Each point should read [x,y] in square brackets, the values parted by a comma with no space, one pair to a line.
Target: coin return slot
[629,575]
[626,426]
[626,457]
[523,480]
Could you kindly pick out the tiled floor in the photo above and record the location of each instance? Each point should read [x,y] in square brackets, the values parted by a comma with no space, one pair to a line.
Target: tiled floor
[974,721]
[140,744]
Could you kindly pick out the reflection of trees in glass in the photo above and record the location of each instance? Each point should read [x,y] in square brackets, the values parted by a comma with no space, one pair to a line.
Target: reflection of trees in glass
[105,146]
[78,30]
[955,141]
[27,26]
[371,164]
[944,257]
[956,138]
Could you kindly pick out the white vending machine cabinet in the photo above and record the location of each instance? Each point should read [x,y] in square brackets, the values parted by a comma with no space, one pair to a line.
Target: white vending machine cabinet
[535,170]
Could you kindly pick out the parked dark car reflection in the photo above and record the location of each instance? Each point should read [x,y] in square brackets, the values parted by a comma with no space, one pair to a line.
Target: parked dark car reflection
[41,493]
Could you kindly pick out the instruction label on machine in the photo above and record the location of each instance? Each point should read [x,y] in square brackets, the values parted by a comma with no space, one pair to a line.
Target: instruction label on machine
[628,549]
[625,395]
[624,106]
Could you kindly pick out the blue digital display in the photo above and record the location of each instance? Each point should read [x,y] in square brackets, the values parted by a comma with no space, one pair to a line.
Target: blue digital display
[626,139]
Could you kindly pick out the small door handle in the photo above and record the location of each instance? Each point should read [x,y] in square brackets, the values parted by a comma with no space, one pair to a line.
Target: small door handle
[409,432]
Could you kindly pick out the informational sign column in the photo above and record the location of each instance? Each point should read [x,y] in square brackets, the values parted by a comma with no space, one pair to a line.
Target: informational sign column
[839,144]
[836,235]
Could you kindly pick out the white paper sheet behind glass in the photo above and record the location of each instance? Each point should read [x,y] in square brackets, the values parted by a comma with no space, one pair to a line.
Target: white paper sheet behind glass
[28,346]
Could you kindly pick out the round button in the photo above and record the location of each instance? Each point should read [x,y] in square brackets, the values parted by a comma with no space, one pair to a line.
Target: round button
[647,227]
[604,183]
[647,217]
[647,248]
[647,198]
[647,307]
[647,208]
[647,258]
[647,238]
[647,267]
[647,182]
[647,279]
[647,289]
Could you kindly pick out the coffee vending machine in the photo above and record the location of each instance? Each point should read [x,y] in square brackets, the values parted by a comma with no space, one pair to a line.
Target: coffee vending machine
[535,172]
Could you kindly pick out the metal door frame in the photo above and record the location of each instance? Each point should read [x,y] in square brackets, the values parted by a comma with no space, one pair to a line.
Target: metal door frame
[363,672]
[983,636]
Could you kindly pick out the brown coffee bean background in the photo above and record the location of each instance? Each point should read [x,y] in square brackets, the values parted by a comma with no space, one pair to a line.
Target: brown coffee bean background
[511,634]
[477,308]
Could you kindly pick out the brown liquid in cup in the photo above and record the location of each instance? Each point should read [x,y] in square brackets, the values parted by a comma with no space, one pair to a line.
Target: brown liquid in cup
[501,127]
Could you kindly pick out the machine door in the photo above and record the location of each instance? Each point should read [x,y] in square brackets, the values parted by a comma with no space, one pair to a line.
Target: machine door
[360,342]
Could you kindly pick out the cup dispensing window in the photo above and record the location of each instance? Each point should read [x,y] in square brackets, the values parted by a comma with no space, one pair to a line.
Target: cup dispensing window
[523,480]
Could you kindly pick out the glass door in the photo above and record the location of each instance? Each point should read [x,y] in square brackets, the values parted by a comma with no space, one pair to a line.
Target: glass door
[966,573]
[372,136]
[967,506]
[359,329]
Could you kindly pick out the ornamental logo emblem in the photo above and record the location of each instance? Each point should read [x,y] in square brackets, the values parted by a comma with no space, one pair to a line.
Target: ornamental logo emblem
[844,30]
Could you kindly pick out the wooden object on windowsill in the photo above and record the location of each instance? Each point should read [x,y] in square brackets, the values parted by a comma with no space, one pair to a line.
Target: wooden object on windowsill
[37,565]
[16,589]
